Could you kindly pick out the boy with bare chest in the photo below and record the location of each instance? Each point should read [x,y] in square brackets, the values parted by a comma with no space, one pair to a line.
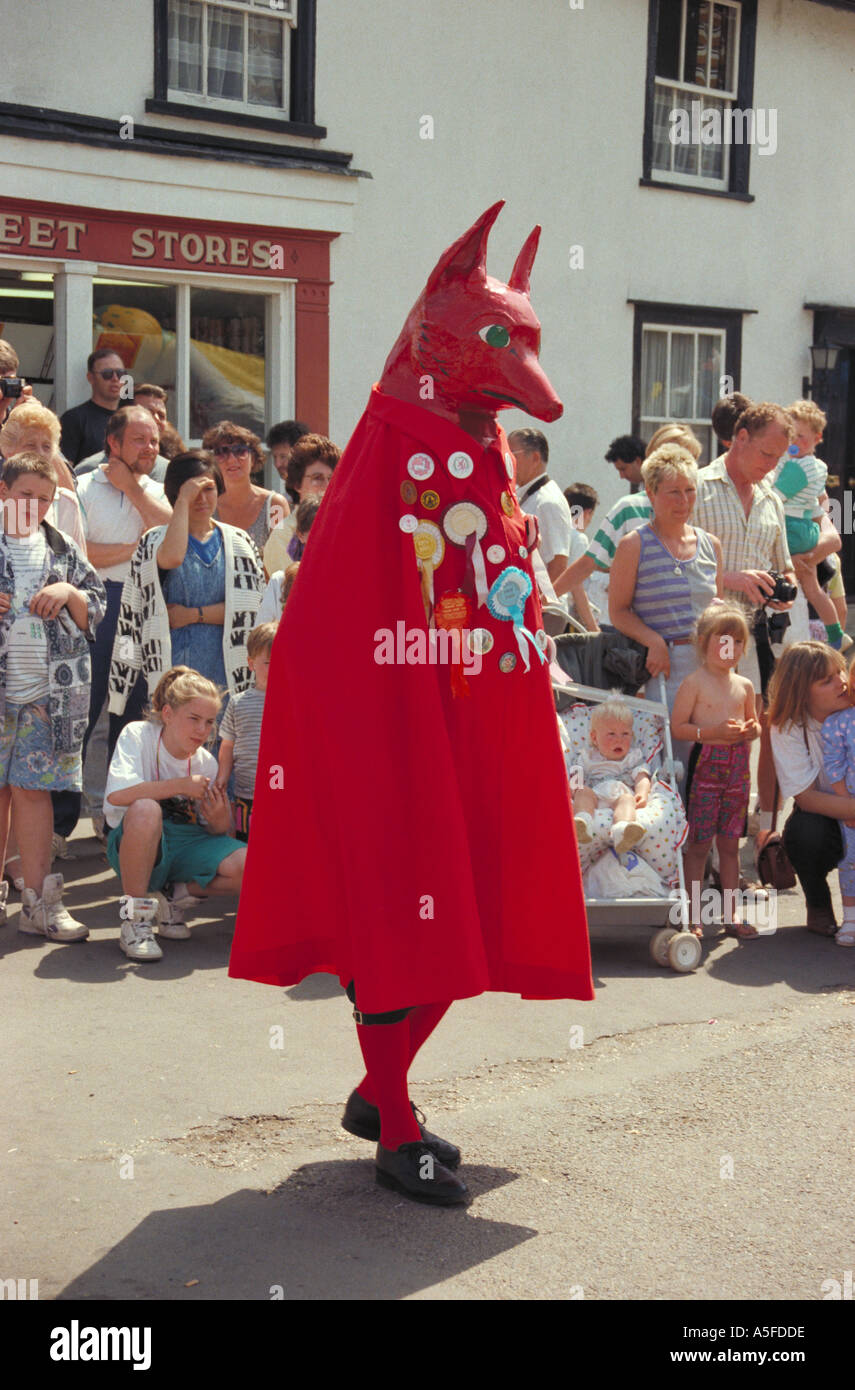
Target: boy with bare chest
[714,707]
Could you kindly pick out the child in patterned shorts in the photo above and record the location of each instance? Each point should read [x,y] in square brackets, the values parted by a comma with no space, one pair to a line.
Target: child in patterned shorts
[714,707]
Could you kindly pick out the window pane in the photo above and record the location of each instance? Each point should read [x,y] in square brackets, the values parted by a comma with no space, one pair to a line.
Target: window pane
[226,360]
[697,42]
[665,99]
[265,61]
[225,54]
[682,376]
[710,369]
[668,39]
[712,156]
[26,321]
[654,352]
[138,322]
[722,76]
[185,46]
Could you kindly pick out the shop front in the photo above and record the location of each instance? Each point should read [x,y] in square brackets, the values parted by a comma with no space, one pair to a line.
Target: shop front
[232,320]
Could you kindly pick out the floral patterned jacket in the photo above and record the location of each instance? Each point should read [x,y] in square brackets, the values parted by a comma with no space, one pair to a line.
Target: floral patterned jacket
[69,667]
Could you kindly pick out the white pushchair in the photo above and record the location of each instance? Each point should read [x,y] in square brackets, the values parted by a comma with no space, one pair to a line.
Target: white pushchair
[611,661]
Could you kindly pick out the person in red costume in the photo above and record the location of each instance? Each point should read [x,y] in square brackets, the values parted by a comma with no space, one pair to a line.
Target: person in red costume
[434,827]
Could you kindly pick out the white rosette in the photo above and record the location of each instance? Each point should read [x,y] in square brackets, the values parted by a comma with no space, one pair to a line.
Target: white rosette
[466,525]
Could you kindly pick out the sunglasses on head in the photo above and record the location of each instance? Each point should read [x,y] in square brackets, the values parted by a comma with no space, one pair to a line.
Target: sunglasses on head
[107,372]
[222,451]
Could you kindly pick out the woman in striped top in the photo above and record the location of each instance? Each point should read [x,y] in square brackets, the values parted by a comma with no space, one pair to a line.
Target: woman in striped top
[667,572]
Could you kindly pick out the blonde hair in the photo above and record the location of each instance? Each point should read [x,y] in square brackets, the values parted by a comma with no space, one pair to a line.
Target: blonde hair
[260,639]
[800,666]
[612,708]
[672,433]
[665,461]
[178,687]
[30,415]
[720,620]
[808,413]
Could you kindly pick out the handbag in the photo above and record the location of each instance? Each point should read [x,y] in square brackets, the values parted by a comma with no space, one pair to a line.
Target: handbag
[773,863]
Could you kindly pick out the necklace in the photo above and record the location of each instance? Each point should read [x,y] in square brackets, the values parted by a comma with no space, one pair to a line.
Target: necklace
[677,562]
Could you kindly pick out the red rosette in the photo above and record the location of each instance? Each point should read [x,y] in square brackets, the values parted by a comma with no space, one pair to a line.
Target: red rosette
[453,613]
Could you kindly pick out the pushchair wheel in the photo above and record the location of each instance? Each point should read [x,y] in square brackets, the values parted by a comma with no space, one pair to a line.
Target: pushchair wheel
[659,943]
[684,952]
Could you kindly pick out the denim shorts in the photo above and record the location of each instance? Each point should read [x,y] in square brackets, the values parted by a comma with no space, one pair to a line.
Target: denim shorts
[187,854]
[27,757]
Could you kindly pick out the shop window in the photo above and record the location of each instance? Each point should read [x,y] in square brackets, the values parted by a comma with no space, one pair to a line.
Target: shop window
[137,320]
[226,360]
[26,321]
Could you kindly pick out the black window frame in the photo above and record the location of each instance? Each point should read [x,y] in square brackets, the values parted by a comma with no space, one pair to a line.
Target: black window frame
[690,316]
[740,155]
[301,117]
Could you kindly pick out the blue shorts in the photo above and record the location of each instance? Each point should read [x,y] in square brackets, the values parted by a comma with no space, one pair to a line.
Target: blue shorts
[27,757]
[188,854]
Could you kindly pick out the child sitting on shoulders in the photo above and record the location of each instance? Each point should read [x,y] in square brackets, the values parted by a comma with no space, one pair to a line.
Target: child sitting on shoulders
[240,731]
[714,708]
[800,481]
[169,821]
[614,774]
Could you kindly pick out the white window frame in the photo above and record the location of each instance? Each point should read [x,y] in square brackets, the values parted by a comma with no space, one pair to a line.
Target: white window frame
[670,329]
[692,92]
[284,10]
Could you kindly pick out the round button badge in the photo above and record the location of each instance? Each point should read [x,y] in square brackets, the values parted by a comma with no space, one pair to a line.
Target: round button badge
[408,522]
[523,553]
[420,466]
[495,554]
[541,639]
[409,492]
[430,500]
[480,640]
[509,466]
[507,662]
[507,503]
[460,464]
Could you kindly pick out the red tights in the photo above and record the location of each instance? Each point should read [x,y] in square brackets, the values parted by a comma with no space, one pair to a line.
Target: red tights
[388,1049]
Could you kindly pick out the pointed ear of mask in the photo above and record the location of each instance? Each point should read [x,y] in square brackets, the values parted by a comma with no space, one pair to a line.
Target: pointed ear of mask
[521,274]
[468,255]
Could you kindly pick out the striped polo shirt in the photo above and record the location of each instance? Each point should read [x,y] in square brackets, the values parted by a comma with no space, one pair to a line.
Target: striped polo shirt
[242,726]
[671,594]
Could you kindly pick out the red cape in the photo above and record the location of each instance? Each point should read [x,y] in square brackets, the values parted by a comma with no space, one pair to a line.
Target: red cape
[418,842]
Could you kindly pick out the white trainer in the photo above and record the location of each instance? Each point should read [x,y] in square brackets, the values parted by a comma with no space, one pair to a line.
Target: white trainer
[136,937]
[46,916]
[170,916]
[59,848]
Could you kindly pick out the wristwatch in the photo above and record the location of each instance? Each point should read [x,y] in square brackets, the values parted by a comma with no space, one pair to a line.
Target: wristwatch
[201,615]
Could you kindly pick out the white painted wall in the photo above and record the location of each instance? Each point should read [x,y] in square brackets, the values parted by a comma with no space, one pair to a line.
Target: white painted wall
[538,103]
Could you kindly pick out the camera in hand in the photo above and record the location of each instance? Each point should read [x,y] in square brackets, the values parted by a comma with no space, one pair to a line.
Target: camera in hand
[784,591]
[11,386]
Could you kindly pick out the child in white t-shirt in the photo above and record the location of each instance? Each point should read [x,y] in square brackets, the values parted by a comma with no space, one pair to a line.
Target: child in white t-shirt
[614,774]
[161,789]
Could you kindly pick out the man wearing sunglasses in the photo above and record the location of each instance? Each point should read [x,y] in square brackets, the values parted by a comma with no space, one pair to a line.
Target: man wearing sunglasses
[84,427]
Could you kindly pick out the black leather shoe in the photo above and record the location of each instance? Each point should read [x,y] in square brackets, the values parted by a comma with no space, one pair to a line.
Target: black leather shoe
[414,1170]
[363,1119]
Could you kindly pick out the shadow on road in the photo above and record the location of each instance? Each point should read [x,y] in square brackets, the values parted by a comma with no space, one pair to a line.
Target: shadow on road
[327,1232]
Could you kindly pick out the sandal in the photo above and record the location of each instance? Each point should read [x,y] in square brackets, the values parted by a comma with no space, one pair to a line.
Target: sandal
[846,935]
[743,931]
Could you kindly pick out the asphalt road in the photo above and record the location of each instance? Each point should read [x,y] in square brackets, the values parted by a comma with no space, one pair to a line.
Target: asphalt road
[694,1139]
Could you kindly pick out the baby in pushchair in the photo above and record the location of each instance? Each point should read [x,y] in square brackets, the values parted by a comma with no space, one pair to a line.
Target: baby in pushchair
[612,773]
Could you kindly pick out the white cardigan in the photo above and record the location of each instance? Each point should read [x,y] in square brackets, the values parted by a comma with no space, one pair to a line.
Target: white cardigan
[143,640]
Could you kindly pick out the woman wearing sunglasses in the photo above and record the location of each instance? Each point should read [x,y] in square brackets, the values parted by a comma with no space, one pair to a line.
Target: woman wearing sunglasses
[238,454]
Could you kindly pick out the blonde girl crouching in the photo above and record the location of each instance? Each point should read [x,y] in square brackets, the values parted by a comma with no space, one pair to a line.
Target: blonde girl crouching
[169,824]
